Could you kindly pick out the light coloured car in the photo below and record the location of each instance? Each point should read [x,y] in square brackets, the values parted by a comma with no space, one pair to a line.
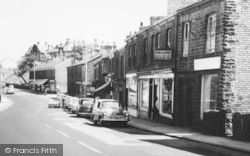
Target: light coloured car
[10,89]
[85,107]
[54,102]
[73,102]
[109,110]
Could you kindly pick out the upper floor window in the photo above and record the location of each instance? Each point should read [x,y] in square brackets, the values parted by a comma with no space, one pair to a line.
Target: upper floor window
[129,56]
[153,48]
[145,50]
[157,43]
[169,38]
[186,38]
[134,63]
[211,32]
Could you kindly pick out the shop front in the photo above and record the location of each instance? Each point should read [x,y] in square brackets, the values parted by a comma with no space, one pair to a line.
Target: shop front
[155,96]
[151,91]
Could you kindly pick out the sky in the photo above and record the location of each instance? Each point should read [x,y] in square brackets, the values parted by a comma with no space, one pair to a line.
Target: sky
[26,22]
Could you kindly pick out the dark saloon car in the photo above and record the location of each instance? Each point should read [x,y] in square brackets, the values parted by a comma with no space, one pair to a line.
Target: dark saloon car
[85,107]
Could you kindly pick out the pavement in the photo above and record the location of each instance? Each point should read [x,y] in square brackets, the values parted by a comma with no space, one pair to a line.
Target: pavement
[189,134]
[5,103]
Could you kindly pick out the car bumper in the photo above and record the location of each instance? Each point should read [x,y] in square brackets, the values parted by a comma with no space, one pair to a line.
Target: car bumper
[115,119]
[85,114]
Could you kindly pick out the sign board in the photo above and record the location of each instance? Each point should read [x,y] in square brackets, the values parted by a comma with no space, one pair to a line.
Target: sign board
[207,63]
[163,55]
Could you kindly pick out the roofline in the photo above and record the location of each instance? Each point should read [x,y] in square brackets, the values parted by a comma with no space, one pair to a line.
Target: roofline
[51,67]
[159,21]
[91,59]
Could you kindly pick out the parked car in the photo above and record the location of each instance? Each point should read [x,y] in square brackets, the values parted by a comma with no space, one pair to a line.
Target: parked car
[85,107]
[73,102]
[54,102]
[10,89]
[105,110]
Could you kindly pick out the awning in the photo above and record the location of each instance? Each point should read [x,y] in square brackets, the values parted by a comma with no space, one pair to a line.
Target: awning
[103,86]
[39,82]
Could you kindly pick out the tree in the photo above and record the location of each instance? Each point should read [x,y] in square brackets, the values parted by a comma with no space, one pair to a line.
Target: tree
[25,65]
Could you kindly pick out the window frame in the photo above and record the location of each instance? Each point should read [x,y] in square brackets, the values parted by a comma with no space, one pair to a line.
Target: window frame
[202,96]
[211,33]
[169,37]
[186,37]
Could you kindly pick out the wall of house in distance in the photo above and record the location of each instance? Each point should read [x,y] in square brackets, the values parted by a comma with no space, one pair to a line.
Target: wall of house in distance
[61,76]
[43,74]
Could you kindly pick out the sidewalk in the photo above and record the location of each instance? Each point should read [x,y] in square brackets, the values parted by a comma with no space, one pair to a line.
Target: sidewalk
[189,134]
[5,103]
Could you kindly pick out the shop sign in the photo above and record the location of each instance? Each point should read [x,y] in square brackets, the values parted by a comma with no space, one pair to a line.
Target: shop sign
[163,55]
[207,63]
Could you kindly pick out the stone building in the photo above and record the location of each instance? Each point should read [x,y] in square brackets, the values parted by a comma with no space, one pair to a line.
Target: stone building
[52,75]
[150,57]
[212,64]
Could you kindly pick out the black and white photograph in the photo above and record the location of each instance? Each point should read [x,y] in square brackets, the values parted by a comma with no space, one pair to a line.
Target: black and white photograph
[125,78]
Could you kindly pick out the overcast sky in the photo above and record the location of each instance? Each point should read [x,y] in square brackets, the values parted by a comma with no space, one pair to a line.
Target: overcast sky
[26,22]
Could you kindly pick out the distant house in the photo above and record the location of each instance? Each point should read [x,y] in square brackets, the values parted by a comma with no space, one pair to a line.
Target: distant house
[52,75]
[39,51]
[76,76]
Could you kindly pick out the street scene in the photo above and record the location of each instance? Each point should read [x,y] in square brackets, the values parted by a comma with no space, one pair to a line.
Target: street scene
[29,122]
[132,78]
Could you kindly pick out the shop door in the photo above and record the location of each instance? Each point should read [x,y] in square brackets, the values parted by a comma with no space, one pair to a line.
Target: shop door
[188,102]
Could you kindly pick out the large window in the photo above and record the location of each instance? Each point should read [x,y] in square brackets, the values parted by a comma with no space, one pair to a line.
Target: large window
[132,91]
[211,32]
[186,38]
[167,97]
[144,93]
[209,93]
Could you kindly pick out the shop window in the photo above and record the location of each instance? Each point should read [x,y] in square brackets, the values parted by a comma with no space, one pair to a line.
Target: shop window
[209,93]
[144,93]
[186,38]
[132,91]
[211,32]
[167,97]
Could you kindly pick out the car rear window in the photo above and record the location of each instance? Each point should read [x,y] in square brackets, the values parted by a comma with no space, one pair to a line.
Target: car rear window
[110,104]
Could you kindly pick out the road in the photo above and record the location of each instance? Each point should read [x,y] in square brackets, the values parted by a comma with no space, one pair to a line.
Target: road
[30,121]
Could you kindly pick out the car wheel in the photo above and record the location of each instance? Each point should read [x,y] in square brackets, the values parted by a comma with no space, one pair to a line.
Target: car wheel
[125,124]
[78,115]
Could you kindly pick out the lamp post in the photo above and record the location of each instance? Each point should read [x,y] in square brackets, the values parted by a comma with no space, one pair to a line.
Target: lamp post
[86,70]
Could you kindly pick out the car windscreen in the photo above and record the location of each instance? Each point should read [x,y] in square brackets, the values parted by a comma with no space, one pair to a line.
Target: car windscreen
[110,104]
[87,103]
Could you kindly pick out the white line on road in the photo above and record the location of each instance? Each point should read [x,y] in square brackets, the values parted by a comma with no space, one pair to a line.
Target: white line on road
[48,126]
[39,109]
[62,133]
[89,147]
